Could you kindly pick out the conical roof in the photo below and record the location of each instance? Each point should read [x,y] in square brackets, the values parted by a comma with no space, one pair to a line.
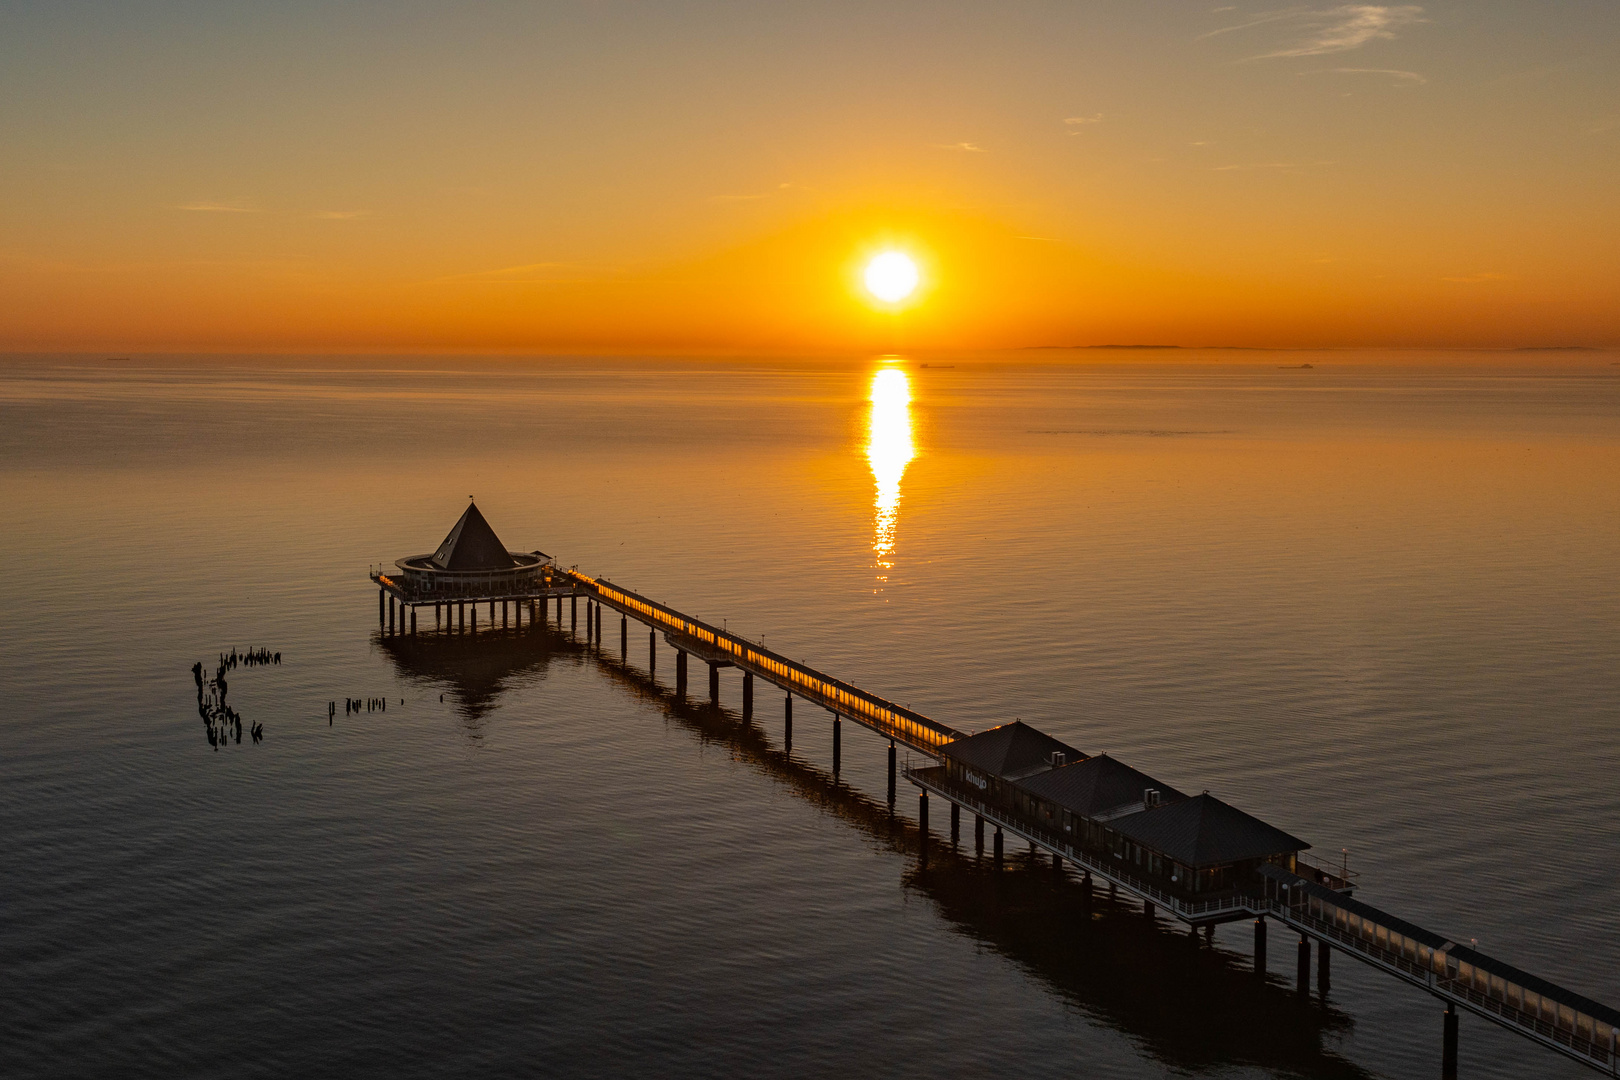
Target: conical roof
[472,545]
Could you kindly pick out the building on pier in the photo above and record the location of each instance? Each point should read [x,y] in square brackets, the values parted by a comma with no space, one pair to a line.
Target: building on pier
[1194,847]
[472,561]
[991,761]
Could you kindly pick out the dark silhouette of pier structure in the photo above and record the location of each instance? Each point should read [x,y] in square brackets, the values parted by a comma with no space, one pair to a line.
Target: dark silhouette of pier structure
[1196,858]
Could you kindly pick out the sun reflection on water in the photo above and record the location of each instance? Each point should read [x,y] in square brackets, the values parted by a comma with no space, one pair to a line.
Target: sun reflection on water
[889,450]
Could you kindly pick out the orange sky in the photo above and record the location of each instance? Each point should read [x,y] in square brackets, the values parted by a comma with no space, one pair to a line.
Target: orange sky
[709,176]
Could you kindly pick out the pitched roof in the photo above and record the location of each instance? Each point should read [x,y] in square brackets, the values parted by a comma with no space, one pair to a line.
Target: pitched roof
[472,545]
[1204,831]
[1009,751]
[1095,786]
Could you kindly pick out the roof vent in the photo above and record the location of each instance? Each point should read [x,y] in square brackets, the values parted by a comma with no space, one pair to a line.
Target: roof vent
[1150,797]
[1058,759]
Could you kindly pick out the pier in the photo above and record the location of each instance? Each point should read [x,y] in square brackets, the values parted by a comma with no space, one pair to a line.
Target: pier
[1196,859]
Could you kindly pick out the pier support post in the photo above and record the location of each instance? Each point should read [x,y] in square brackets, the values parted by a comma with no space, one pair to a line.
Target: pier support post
[680,673]
[1085,891]
[714,684]
[1147,909]
[891,773]
[624,638]
[1057,863]
[473,626]
[461,616]
[1260,945]
[573,613]
[413,620]
[598,626]
[1304,972]
[787,724]
[922,825]
[1448,1045]
[652,652]
[956,823]
[505,625]
[998,847]
[978,834]
[748,697]
[1323,983]
[838,749]
[381,600]
[437,623]
[390,616]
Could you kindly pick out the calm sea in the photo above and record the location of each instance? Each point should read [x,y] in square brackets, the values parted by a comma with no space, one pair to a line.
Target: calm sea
[1375,601]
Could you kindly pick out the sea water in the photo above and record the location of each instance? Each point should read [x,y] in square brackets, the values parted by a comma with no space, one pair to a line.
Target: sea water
[1373,599]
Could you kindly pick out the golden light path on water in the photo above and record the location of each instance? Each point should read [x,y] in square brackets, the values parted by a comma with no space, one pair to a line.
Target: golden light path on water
[889,450]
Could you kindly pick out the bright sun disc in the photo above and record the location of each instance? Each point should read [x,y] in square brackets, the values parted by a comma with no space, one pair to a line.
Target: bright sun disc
[891,277]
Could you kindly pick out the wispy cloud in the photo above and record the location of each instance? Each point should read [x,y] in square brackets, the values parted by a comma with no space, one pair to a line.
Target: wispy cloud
[1043,239]
[738,198]
[1081,122]
[340,215]
[1398,76]
[1333,29]
[219,208]
[966,147]
[1476,279]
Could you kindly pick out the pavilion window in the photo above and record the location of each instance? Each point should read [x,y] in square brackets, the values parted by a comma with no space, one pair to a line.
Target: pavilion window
[1583,1026]
[1566,1018]
[1531,1003]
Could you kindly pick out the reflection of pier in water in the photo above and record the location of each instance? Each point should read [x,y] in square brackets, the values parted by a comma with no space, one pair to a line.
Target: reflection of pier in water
[1188,1005]
[474,671]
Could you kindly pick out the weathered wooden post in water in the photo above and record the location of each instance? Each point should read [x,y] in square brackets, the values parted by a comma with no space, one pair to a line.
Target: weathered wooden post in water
[748,696]
[837,745]
[714,683]
[652,652]
[787,724]
[680,674]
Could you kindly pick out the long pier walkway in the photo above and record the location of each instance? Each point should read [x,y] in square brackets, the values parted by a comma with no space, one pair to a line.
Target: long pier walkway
[1315,903]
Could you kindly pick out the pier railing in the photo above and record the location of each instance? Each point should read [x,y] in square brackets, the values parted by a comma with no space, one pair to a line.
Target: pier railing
[1561,1019]
[841,698]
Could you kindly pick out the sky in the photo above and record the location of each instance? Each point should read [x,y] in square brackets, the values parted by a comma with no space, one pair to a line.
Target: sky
[712,176]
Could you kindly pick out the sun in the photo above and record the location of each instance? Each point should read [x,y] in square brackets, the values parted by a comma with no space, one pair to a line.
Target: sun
[891,277]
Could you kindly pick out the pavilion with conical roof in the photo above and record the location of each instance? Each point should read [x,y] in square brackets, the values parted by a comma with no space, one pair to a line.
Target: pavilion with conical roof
[471,561]
[469,567]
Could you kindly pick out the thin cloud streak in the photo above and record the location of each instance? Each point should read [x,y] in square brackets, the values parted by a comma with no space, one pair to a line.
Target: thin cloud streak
[1332,30]
[1399,76]
[966,147]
